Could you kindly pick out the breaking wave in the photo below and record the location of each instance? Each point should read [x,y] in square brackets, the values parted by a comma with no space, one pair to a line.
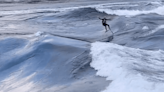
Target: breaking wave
[129,13]
[93,10]
[83,13]
[130,69]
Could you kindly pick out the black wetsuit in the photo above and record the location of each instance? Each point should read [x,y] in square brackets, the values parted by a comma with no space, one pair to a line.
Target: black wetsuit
[104,23]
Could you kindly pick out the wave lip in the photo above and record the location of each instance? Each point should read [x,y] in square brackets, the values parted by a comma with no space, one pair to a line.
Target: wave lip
[130,13]
[130,69]
[86,13]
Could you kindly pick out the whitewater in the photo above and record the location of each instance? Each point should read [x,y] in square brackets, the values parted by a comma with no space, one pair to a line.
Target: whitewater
[126,9]
[130,69]
[62,47]
[136,65]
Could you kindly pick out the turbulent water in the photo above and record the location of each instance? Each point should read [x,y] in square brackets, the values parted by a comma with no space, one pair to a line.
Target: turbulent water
[53,48]
[130,69]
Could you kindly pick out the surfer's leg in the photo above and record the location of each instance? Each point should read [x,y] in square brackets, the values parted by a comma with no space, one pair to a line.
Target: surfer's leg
[108,26]
[106,29]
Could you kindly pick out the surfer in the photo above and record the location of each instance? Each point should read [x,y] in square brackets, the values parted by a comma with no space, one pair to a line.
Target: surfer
[105,24]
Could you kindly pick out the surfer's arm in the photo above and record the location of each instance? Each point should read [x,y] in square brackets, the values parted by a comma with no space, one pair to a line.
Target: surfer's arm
[100,18]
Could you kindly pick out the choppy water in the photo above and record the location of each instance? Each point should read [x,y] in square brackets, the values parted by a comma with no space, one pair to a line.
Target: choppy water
[47,48]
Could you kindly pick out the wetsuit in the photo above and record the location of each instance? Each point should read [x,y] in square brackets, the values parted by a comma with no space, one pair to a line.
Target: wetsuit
[104,23]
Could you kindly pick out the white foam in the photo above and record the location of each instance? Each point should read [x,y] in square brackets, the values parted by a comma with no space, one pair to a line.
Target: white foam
[39,33]
[99,7]
[145,28]
[130,13]
[130,69]
[154,30]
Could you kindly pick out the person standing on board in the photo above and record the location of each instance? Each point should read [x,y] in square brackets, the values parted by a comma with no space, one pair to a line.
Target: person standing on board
[105,24]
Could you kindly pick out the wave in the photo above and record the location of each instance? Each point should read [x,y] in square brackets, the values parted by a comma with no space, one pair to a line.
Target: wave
[130,69]
[142,31]
[83,13]
[23,1]
[42,10]
[66,13]
[156,31]
[28,11]
[109,8]
[41,63]
[130,13]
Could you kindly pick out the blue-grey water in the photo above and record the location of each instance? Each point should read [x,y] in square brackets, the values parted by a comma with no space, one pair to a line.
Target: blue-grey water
[45,46]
